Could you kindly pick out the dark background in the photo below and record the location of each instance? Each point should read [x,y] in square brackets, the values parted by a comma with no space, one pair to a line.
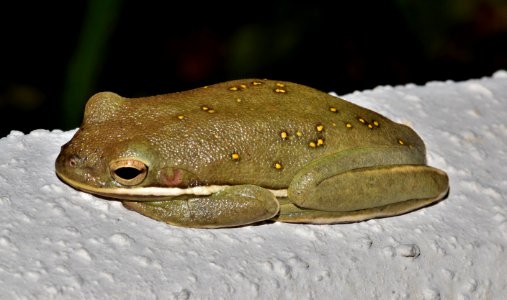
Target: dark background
[54,56]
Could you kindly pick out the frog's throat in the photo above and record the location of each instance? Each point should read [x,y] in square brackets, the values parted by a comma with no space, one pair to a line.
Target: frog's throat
[146,193]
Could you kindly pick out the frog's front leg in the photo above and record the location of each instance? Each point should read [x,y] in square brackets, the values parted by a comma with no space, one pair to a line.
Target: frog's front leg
[364,183]
[233,206]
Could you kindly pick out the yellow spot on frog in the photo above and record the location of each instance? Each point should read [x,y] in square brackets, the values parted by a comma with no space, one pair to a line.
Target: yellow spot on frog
[278,166]
[320,142]
[235,156]
[205,87]
[280,84]
[333,109]
[348,125]
[284,135]
[375,123]
[361,120]
[401,142]
[319,127]
[209,110]
[238,100]
[299,133]
[243,86]
[312,144]
[181,117]
[370,126]
[233,88]
[282,91]
[256,83]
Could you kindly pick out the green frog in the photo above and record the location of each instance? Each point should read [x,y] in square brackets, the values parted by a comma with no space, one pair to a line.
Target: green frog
[247,151]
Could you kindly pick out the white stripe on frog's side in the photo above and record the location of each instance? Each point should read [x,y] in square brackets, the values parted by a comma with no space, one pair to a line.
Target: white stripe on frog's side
[156,192]
[171,192]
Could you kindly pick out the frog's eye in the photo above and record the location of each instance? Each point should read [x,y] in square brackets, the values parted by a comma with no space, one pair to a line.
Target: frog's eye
[128,171]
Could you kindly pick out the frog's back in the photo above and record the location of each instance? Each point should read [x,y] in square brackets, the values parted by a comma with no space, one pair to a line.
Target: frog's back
[290,109]
[262,131]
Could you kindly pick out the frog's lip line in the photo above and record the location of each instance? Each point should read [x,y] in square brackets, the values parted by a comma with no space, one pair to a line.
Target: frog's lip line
[157,191]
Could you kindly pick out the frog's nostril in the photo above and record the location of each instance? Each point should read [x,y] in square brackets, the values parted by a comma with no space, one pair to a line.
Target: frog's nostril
[72,162]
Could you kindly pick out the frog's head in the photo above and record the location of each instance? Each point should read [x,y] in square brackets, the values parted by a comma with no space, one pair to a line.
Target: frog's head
[110,155]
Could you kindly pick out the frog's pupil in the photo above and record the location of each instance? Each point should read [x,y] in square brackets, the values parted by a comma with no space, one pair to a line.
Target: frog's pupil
[127,172]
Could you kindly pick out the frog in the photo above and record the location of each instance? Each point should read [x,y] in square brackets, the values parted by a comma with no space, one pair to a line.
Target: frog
[249,151]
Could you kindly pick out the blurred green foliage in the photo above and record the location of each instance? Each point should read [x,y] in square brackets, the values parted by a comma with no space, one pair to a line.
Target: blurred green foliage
[85,64]
[52,62]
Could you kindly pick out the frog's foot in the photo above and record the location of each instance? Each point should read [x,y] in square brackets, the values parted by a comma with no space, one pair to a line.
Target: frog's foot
[234,206]
[291,213]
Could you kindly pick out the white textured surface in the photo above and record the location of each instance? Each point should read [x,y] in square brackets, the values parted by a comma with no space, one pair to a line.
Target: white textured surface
[56,242]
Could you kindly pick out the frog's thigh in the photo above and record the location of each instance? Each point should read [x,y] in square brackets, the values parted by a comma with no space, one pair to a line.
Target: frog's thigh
[366,179]
[234,206]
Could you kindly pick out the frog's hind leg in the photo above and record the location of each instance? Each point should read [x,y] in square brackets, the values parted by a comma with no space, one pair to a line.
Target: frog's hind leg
[234,206]
[363,184]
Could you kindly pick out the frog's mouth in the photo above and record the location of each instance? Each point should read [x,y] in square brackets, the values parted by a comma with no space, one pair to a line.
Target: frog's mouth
[153,193]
